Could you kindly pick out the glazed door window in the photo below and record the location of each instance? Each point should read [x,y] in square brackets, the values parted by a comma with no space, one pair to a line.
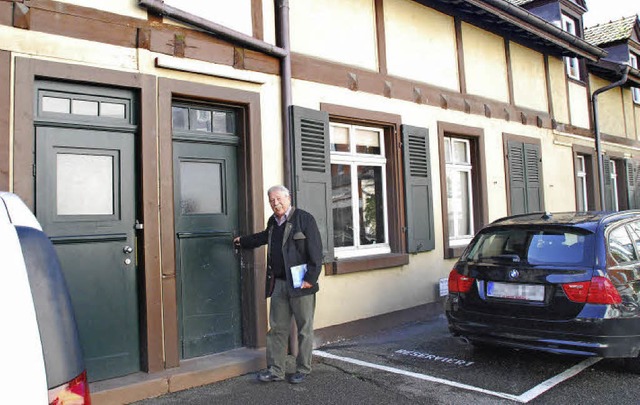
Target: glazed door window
[581,174]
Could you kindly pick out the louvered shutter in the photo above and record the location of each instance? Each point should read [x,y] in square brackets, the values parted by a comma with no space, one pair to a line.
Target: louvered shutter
[312,170]
[633,183]
[608,189]
[525,177]
[533,167]
[517,177]
[418,192]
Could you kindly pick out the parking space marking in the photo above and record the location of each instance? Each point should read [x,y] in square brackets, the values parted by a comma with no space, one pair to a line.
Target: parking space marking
[523,398]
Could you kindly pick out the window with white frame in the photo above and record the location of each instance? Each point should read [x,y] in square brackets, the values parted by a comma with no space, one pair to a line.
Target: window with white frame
[582,189]
[635,91]
[614,184]
[358,181]
[457,153]
[571,62]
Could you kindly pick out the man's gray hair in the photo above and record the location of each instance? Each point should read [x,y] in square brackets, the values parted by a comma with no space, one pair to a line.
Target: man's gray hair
[280,188]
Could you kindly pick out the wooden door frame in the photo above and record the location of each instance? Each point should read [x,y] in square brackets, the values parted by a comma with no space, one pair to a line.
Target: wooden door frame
[27,71]
[251,213]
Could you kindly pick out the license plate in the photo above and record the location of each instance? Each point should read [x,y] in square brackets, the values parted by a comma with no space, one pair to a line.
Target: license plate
[515,291]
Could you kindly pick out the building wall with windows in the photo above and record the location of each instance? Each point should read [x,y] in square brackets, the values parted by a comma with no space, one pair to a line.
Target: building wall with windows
[435,122]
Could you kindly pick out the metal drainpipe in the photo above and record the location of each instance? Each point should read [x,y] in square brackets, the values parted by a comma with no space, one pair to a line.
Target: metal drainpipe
[594,100]
[282,40]
[281,52]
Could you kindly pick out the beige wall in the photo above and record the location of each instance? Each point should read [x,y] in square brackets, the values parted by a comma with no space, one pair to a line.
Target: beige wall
[338,30]
[529,78]
[629,116]
[421,44]
[234,14]
[559,96]
[416,283]
[579,105]
[485,63]
[123,7]
[610,108]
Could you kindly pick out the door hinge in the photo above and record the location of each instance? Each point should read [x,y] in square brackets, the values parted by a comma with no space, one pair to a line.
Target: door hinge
[139,225]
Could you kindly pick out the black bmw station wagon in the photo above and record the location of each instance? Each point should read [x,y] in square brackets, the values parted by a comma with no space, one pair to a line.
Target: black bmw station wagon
[565,283]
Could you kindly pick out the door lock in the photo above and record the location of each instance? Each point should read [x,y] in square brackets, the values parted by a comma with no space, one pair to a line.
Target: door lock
[127,249]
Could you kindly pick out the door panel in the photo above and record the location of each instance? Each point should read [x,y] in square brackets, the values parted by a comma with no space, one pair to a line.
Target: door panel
[206,218]
[85,200]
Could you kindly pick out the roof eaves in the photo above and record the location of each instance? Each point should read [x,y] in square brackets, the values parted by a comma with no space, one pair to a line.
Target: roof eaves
[538,26]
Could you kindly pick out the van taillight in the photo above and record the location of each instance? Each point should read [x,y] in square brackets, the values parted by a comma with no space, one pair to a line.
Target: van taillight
[75,392]
[459,283]
[597,291]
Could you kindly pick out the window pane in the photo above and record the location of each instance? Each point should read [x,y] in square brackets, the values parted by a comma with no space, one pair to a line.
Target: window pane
[200,188]
[460,152]
[447,150]
[371,205]
[458,203]
[56,105]
[114,110]
[339,139]
[201,120]
[341,204]
[367,141]
[582,194]
[180,118]
[223,122]
[84,107]
[84,184]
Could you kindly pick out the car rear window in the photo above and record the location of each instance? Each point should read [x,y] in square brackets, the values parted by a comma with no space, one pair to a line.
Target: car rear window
[534,246]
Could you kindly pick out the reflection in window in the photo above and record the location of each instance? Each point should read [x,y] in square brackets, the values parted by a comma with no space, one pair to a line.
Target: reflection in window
[200,120]
[84,107]
[113,110]
[203,119]
[358,179]
[620,246]
[84,184]
[180,118]
[581,174]
[200,187]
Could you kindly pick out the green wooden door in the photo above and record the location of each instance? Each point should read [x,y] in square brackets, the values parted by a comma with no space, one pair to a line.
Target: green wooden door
[206,218]
[85,200]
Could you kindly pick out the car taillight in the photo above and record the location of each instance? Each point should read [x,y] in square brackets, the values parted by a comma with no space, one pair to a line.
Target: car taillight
[75,392]
[597,291]
[459,283]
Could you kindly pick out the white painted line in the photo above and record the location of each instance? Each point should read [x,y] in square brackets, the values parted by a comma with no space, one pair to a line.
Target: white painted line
[524,398]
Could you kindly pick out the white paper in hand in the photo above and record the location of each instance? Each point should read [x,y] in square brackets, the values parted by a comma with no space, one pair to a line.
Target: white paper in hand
[297,274]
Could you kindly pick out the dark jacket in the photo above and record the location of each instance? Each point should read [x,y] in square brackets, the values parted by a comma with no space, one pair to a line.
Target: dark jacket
[301,244]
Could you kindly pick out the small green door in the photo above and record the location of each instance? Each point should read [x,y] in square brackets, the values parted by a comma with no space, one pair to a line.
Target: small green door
[206,218]
[85,201]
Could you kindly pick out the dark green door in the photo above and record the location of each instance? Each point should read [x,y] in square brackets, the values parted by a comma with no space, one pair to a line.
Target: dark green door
[85,201]
[206,218]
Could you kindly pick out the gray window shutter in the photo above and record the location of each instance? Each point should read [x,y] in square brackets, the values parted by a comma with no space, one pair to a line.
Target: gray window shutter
[517,177]
[312,170]
[525,181]
[633,183]
[418,192]
[608,189]
[533,166]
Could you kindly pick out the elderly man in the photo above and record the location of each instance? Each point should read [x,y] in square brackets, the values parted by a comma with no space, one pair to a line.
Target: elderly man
[294,261]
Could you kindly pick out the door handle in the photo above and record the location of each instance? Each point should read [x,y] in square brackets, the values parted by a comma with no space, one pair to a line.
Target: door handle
[127,249]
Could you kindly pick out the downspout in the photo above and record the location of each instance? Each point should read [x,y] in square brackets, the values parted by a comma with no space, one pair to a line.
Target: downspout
[283,41]
[281,52]
[594,101]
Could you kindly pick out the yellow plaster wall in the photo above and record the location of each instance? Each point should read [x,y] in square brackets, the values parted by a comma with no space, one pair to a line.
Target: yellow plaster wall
[579,105]
[529,78]
[629,118]
[416,283]
[610,108]
[128,8]
[234,14]
[338,30]
[420,44]
[559,96]
[485,63]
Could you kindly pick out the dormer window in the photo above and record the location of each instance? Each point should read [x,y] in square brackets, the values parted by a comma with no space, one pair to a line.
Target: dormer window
[572,63]
[633,62]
